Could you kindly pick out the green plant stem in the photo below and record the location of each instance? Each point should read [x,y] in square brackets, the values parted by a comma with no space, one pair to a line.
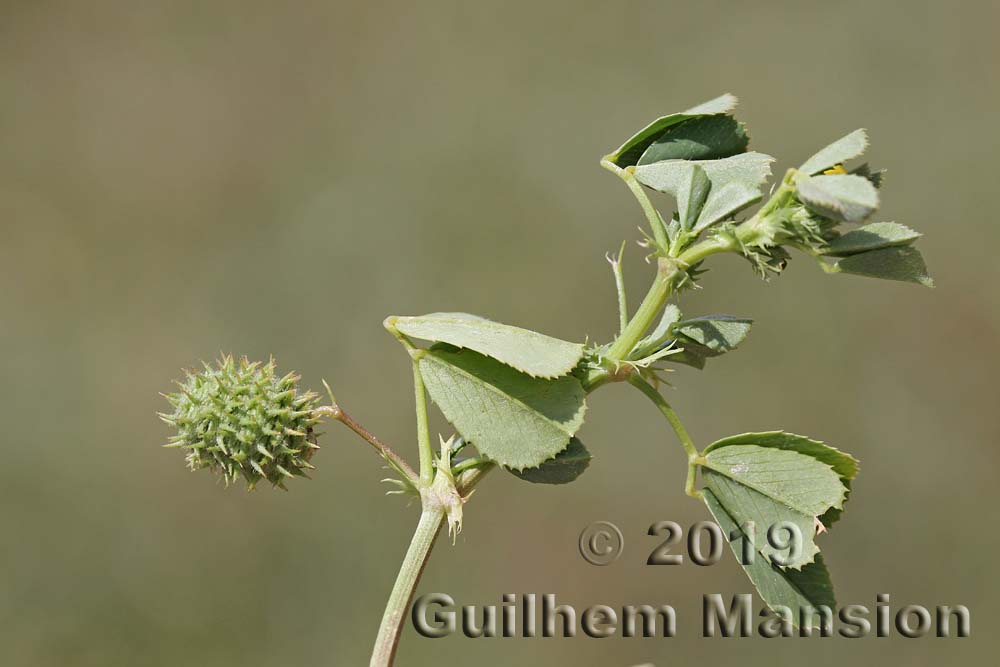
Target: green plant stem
[635,187]
[668,412]
[694,458]
[692,475]
[406,582]
[420,394]
[648,311]
[417,555]
[469,464]
[672,270]
[423,430]
[337,413]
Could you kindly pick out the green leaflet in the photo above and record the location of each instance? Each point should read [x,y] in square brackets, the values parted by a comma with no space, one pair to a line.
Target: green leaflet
[840,151]
[533,353]
[810,587]
[515,419]
[745,504]
[842,463]
[691,194]
[900,263]
[565,467]
[769,486]
[750,168]
[845,197]
[710,336]
[725,202]
[702,138]
[735,183]
[630,152]
[871,237]
[845,465]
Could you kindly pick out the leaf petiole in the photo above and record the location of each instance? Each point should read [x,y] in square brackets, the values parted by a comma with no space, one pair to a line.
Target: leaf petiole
[423,429]
[667,411]
[469,464]
[420,401]
[652,216]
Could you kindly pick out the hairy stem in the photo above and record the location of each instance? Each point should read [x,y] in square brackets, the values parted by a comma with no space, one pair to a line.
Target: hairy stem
[406,582]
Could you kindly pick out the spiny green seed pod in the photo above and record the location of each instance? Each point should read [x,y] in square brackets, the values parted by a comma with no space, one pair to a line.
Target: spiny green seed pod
[241,420]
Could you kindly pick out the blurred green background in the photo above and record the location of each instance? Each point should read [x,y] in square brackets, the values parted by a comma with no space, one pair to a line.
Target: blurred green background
[180,178]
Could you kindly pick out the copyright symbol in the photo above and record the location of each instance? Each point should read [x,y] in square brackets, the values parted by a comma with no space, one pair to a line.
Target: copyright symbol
[601,543]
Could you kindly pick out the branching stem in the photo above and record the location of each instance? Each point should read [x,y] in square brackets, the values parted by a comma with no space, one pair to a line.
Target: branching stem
[672,270]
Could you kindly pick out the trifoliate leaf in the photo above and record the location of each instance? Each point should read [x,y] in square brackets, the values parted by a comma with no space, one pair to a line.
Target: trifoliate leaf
[702,138]
[533,353]
[842,463]
[629,152]
[565,467]
[772,486]
[846,148]
[736,183]
[901,263]
[871,237]
[846,197]
[710,336]
[809,587]
[515,419]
